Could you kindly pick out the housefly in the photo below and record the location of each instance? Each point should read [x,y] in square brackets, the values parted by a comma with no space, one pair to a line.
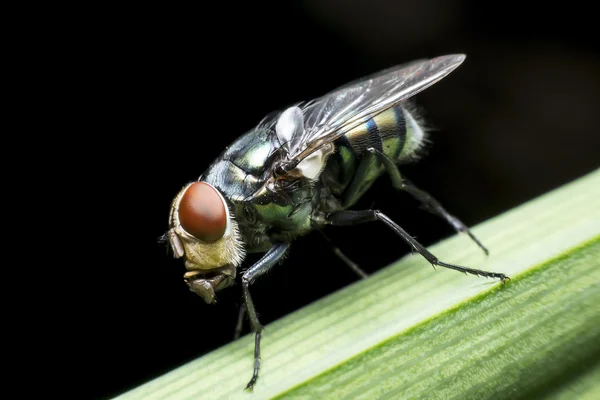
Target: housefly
[299,170]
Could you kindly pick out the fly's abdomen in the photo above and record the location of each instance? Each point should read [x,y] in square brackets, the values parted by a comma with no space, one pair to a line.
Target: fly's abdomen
[395,132]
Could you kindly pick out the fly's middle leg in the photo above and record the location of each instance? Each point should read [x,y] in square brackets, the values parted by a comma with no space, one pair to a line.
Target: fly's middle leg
[346,218]
[240,322]
[353,266]
[431,204]
[272,257]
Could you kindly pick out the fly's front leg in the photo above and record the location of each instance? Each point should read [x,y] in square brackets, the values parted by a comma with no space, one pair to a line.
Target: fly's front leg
[346,218]
[272,257]
[431,204]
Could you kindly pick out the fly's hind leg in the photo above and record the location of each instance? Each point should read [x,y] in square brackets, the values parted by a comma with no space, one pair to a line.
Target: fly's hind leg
[273,256]
[431,204]
[354,190]
[346,218]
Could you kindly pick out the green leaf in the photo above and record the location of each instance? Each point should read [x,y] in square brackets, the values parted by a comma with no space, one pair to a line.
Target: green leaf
[411,332]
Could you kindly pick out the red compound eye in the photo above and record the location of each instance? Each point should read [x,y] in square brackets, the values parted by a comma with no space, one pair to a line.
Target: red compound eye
[202,212]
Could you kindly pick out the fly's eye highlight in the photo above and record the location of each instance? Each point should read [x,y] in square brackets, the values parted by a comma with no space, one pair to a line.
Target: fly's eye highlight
[202,212]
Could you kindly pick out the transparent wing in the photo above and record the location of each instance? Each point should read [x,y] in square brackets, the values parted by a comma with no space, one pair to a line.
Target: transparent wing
[331,116]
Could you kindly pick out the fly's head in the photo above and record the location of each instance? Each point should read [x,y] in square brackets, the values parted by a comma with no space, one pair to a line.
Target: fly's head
[203,232]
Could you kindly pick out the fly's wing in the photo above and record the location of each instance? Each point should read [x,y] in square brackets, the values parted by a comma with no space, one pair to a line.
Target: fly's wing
[331,116]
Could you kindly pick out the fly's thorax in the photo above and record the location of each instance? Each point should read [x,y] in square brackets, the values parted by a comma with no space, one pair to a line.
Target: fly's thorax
[277,213]
[203,229]
[285,215]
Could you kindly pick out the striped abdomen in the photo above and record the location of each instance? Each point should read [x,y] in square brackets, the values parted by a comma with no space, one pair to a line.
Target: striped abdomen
[394,132]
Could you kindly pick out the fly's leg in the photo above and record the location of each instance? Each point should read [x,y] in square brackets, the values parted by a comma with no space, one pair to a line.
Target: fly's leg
[431,204]
[353,266]
[353,192]
[273,256]
[346,218]
[240,322]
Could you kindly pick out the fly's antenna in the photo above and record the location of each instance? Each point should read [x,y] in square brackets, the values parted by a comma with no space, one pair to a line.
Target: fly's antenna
[163,239]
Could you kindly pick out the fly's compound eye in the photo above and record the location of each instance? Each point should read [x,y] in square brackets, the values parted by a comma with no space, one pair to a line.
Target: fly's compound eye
[202,212]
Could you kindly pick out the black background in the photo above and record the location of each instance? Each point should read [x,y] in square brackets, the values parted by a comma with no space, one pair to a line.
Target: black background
[171,87]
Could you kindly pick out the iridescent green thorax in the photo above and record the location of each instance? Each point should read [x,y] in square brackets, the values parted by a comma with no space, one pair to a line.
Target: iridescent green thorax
[241,172]
[237,173]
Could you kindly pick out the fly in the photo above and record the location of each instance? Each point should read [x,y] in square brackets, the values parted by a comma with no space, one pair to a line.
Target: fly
[299,170]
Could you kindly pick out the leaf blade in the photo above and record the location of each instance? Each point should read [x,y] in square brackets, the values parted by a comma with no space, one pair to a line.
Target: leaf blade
[335,329]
